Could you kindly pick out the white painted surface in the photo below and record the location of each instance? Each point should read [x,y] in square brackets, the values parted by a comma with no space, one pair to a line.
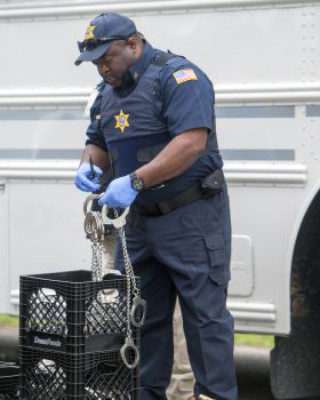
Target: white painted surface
[242,267]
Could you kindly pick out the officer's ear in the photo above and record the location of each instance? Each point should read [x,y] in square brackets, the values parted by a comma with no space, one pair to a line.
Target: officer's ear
[132,42]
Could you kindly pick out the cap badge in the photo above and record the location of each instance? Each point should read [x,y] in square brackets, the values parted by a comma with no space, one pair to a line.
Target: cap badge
[122,121]
[89,32]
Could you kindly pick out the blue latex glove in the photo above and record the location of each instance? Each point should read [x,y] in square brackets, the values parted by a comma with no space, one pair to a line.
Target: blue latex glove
[84,180]
[119,194]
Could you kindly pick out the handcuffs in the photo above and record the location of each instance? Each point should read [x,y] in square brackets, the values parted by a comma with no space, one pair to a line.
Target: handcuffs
[95,227]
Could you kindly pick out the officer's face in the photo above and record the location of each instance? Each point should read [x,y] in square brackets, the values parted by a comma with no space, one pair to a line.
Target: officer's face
[116,61]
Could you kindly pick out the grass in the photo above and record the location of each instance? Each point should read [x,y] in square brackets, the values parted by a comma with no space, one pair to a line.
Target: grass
[266,341]
[8,320]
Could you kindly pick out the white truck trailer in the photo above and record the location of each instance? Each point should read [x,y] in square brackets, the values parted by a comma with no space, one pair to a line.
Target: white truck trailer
[263,56]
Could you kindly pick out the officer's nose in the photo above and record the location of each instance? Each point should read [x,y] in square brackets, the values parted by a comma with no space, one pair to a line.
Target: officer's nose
[102,68]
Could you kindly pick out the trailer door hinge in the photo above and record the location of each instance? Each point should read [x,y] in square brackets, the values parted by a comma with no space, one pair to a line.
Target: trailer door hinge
[2,187]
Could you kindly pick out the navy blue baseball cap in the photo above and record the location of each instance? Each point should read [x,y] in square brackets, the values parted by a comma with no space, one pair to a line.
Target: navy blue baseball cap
[99,35]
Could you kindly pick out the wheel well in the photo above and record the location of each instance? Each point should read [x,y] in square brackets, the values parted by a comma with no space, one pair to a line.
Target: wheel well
[295,364]
[305,275]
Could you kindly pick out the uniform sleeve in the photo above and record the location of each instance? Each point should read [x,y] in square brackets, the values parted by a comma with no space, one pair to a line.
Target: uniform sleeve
[188,99]
[94,132]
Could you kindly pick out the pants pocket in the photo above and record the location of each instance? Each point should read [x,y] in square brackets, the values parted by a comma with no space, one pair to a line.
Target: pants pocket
[219,268]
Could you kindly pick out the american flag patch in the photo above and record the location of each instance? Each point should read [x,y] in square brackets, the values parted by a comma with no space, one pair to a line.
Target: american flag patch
[185,75]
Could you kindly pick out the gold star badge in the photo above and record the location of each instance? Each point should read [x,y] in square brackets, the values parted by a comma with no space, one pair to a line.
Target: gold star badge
[122,121]
[89,32]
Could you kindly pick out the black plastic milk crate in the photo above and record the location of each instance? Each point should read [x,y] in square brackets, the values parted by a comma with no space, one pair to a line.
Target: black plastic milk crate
[9,380]
[68,312]
[47,375]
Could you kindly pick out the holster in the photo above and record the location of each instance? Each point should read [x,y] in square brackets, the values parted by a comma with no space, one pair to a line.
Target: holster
[213,183]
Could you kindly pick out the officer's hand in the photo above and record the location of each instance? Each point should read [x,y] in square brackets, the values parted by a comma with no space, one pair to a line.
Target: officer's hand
[119,194]
[84,180]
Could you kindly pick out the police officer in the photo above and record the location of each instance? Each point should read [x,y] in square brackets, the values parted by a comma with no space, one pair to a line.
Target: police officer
[153,126]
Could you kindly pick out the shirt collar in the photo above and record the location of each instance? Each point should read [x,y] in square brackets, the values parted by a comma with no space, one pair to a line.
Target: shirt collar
[138,68]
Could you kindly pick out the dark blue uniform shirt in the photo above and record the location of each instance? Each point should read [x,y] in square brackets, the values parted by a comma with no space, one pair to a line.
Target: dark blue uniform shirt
[155,104]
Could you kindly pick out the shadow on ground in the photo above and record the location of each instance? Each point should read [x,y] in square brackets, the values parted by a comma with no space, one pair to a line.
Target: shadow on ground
[253,369]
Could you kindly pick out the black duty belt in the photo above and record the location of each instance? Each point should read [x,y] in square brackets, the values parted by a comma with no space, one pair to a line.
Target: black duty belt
[195,192]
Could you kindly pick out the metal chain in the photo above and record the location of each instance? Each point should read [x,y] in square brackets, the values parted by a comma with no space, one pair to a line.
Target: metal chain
[128,265]
[96,261]
[131,280]
[96,268]
[96,314]
[133,295]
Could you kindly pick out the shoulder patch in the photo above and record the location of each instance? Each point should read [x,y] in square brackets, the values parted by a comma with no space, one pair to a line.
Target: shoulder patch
[185,75]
